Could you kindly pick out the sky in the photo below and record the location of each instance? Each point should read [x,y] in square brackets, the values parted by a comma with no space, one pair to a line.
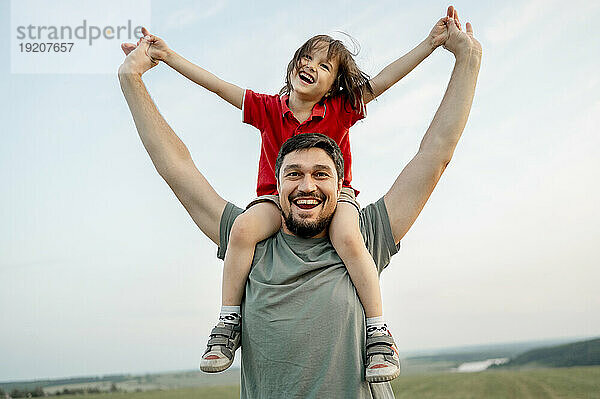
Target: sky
[102,270]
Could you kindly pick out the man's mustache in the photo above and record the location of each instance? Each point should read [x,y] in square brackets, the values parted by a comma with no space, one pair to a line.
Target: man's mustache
[313,194]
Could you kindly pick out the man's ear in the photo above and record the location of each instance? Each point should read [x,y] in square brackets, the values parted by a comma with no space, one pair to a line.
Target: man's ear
[340,183]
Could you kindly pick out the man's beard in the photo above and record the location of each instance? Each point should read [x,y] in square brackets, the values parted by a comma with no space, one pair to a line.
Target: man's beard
[301,227]
[306,229]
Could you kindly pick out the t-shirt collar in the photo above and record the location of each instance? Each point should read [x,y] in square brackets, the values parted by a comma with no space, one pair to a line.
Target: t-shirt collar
[318,110]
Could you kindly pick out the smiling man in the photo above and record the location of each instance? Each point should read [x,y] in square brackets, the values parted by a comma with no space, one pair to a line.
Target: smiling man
[303,332]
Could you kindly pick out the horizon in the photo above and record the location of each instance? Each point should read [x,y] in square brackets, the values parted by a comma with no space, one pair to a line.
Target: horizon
[404,355]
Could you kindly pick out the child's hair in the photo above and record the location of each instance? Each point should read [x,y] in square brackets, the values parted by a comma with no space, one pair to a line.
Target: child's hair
[349,81]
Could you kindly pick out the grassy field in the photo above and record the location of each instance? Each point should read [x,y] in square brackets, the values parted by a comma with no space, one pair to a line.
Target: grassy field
[576,382]
[221,392]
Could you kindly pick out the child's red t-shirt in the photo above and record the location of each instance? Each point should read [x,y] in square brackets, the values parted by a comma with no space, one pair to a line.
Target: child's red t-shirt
[272,116]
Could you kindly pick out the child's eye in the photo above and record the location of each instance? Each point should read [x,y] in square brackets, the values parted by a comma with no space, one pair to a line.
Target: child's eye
[308,57]
[325,66]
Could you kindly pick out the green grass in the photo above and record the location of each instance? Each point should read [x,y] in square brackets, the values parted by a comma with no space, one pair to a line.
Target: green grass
[557,383]
[576,382]
[222,392]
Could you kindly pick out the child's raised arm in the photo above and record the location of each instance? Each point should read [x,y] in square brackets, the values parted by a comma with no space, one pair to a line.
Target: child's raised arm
[398,69]
[159,51]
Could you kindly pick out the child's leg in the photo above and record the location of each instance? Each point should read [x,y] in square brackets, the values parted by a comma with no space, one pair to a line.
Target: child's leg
[348,242]
[257,223]
[383,363]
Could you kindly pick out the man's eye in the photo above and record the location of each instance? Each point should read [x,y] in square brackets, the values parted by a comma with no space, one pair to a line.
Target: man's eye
[292,174]
[322,174]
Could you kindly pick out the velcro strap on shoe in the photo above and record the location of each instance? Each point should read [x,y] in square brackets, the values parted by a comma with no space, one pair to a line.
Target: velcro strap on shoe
[223,349]
[379,350]
[226,332]
[380,340]
[219,341]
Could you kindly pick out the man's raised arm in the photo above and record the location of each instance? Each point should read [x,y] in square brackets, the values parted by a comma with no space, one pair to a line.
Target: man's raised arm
[168,153]
[414,185]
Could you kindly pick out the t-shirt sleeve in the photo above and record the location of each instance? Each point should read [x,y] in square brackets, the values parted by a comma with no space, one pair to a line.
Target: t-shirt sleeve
[230,213]
[377,233]
[347,116]
[255,108]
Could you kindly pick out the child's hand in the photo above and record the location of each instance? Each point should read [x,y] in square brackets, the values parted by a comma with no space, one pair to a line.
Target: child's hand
[158,50]
[439,34]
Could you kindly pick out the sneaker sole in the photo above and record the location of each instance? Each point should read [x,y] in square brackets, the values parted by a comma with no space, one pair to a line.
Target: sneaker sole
[380,377]
[213,366]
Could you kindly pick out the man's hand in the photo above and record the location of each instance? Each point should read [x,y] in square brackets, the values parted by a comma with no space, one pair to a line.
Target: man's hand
[158,50]
[460,43]
[137,61]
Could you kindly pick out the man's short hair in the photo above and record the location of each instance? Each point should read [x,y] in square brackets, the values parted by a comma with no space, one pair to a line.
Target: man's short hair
[307,141]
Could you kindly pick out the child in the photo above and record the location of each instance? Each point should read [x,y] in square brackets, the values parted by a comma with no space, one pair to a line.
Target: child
[325,92]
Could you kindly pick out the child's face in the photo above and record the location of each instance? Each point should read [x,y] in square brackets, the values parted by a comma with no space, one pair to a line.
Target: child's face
[315,75]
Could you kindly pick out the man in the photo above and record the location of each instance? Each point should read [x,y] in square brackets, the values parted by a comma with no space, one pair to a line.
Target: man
[300,306]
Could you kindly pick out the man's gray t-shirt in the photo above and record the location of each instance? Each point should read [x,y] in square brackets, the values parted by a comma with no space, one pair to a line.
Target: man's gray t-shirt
[303,326]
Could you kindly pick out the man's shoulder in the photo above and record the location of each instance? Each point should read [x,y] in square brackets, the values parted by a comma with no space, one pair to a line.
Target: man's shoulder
[372,214]
[376,209]
[230,213]
[374,226]
[376,230]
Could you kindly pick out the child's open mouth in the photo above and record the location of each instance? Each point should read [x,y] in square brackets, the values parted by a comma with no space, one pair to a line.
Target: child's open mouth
[306,78]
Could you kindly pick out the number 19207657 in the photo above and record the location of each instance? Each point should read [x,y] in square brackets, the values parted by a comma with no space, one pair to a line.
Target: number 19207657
[46,47]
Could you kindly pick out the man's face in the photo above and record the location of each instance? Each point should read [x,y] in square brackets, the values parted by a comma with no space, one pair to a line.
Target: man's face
[308,191]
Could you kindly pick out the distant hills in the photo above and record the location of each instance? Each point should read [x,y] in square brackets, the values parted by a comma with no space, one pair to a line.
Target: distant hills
[583,353]
[505,349]
[452,357]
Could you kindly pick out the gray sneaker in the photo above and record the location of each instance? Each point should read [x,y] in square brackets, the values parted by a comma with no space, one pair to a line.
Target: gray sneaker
[383,361]
[220,350]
